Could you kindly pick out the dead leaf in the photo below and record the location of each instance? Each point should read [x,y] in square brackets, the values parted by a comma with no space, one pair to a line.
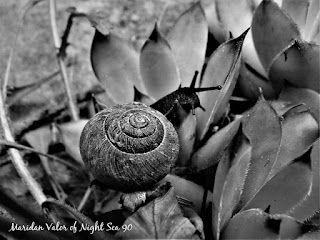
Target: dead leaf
[160,219]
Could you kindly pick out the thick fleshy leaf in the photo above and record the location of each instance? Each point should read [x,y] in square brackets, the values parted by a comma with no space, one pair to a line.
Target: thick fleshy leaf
[299,131]
[222,69]
[310,236]
[263,128]
[189,190]
[312,203]
[286,108]
[141,97]
[250,81]
[297,10]
[230,12]
[299,65]
[272,31]
[187,135]
[97,105]
[229,181]
[212,150]
[214,24]
[287,188]
[290,228]
[115,63]
[252,224]
[256,224]
[160,219]
[70,135]
[158,67]
[310,98]
[188,41]
[311,30]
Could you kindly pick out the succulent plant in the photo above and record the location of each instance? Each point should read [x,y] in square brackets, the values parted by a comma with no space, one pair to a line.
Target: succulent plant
[267,157]
[282,45]
[192,159]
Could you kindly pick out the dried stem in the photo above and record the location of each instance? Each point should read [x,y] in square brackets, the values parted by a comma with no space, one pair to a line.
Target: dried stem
[17,160]
[26,91]
[85,198]
[60,57]
[64,38]
[58,190]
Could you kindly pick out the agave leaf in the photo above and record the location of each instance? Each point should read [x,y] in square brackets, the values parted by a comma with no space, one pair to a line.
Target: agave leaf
[97,105]
[70,135]
[299,131]
[188,190]
[310,236]
[141,97]
[297,10]
[284,108]
[311,30]
[287,188]
[222,69]
[250,81]
[115,63]
[159,219]
[311,205]
[263,128]
[302,95]
[188,41]
[252,224]
[272,31]
[186,134]
[297,64]
[158,67]
[290,228]
[229,181]
[211,151]
[214,24]
[229,12]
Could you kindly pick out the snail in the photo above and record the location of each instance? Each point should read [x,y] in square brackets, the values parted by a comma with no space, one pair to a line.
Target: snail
[129,147]
[186,97]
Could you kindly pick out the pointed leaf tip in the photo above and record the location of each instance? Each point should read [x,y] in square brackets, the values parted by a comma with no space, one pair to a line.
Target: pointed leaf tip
[188,40]
[273,225]
[222,69]
[115,63]
[155,34]
[158,66]
[272,31]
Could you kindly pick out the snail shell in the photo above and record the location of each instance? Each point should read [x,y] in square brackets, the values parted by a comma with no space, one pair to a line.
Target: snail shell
[129,147]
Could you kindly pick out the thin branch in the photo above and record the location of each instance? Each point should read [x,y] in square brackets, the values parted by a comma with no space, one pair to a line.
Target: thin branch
[57,189]
[66,33]
[62,65]
[13,99]
[22,147]
[85,198]
[17,160]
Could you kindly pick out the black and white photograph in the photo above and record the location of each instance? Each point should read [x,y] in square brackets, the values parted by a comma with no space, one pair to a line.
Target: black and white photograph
[159,119]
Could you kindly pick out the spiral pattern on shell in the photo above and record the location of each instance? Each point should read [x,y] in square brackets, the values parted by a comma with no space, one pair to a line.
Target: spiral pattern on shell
[129,147]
